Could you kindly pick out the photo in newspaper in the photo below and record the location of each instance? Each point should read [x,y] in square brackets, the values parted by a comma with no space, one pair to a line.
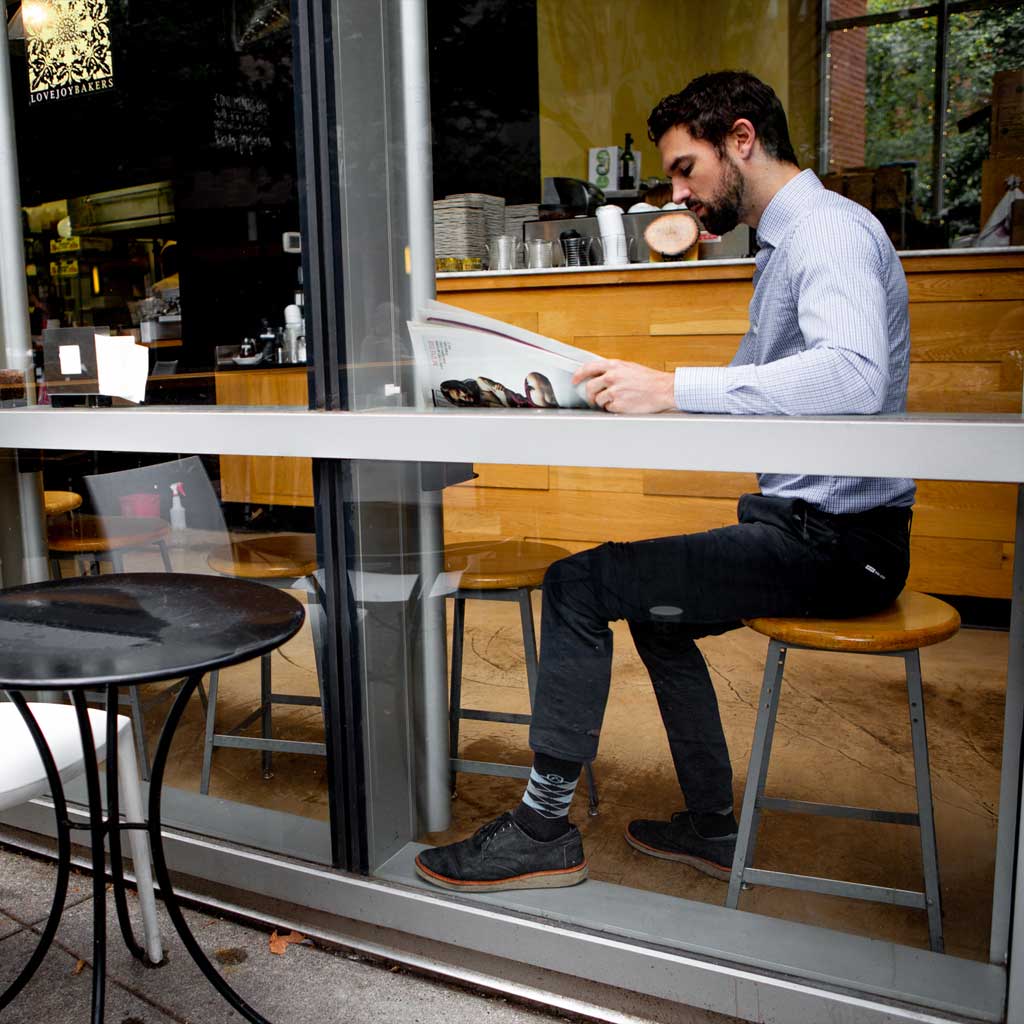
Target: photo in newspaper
[465,360]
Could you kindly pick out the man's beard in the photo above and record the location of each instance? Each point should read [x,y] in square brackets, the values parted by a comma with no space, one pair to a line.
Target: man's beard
[723,212]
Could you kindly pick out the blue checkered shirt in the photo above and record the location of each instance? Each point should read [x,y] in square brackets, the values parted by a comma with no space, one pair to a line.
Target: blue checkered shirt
[829,335]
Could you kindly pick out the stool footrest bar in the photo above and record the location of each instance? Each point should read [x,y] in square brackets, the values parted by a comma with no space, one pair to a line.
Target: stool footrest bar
[774,803]
[836,887]
[278,746]
[295,698]
[493,716]
[515,771]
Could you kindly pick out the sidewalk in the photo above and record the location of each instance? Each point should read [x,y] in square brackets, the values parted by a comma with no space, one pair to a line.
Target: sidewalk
[305,985]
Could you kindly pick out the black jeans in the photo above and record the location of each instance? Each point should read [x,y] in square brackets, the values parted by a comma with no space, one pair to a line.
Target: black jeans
[784,557]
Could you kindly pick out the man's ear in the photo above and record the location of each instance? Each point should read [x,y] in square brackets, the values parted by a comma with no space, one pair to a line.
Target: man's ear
[742,137]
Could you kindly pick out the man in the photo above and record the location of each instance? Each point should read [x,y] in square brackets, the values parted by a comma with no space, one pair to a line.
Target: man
[829,334]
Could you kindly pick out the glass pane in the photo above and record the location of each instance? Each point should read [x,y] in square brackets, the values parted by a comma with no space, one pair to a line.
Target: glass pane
[158,182]
[843,729]
[981,44]
[118,512]
[881,108]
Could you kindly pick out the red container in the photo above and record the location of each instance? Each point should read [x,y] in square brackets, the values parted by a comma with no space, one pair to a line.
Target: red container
[140,505]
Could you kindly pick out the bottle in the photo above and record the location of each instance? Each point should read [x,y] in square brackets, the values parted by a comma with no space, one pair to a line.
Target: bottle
[177,513]
[627,166]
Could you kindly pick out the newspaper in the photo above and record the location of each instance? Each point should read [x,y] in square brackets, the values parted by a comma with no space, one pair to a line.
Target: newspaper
[467,360]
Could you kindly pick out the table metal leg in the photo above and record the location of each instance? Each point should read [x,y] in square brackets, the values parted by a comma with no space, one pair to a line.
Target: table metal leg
[160,864]
[97,833]
[63,852]
[115,829]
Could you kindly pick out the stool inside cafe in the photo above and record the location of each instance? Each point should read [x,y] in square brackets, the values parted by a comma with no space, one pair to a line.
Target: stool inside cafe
[238,231]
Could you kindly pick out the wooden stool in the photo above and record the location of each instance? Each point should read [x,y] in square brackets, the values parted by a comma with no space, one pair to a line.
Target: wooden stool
[56,503]
[914,621]
[506,570]
[286,561]
[105,537]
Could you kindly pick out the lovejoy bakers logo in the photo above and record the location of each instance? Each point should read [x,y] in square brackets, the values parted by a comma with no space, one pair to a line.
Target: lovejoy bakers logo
[68,44]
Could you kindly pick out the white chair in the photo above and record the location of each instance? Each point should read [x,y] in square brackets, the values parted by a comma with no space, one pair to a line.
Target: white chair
[22,778]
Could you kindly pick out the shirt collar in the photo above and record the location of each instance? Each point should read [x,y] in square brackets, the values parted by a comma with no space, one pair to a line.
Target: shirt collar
[788,203]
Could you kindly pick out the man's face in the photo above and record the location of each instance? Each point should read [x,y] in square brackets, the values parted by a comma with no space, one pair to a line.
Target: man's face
[710,185]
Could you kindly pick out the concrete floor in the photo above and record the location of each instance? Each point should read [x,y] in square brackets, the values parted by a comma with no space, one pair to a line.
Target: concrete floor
[308,984]
[842,737]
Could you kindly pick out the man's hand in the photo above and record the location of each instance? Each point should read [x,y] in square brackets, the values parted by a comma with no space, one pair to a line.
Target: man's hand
[617,386]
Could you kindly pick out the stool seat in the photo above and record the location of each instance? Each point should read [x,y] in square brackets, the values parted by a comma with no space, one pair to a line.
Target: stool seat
[914,620]
[55,503]
[501,565]
[281,556]
[86,534]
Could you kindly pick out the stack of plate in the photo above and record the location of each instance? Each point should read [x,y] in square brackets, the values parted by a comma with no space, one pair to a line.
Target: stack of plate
[463,224]
[516,216]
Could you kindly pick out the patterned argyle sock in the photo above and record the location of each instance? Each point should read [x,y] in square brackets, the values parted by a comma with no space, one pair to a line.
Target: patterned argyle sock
[544,812]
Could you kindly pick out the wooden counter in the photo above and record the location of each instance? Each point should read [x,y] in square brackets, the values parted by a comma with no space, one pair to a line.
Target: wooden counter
[269,480]
[967,331]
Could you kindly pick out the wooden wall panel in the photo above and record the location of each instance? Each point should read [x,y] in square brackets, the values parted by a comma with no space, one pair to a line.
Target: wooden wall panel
[965,332]
[530,478]
[699,485]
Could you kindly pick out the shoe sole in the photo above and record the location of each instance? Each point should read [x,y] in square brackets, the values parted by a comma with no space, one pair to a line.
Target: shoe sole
[709,867]
[533,880]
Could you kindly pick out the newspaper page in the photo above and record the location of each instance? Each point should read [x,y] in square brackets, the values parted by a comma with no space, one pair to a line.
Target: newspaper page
[466,360]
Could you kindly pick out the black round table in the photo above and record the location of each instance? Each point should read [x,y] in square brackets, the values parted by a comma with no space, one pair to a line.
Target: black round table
[104,632]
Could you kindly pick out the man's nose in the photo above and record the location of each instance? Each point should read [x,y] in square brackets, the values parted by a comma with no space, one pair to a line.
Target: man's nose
[680,192]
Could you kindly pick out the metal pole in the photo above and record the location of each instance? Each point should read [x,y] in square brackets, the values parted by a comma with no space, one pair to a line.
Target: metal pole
[433,797]
[823,89]
[941,98]
[22,538]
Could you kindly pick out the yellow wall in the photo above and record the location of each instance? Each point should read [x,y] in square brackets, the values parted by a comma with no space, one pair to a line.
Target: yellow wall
[605,63]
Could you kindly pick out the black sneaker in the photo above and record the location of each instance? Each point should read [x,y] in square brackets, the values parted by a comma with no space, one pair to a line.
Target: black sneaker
[706,842]
[502,856]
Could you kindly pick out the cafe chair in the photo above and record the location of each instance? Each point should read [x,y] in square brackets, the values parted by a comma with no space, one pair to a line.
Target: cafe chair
[23,778]
[914,621]
[287,561]
[110,533]
[503,570]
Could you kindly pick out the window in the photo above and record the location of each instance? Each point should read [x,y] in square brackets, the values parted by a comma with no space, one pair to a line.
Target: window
[907,97]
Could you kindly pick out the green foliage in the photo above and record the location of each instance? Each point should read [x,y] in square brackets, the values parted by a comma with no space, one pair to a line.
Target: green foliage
[901,95]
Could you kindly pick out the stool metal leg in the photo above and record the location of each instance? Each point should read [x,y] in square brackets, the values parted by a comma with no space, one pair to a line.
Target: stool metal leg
[267,718]
[529,641]
[760,752]
[925,812]
[211,726]
[455,692]
[164,556]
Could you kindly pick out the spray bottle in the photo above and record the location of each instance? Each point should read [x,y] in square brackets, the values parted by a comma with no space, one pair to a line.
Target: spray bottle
[177,512]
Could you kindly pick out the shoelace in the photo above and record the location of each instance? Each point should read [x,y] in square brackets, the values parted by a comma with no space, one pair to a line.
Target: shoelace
[486,832]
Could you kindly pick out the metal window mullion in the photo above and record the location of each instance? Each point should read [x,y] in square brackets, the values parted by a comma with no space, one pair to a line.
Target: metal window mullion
[941,96]
[824,73]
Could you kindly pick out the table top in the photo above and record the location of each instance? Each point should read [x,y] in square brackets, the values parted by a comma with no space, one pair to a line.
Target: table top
[129,628]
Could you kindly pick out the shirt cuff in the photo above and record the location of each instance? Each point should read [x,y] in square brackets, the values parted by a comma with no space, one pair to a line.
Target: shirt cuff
[701,388]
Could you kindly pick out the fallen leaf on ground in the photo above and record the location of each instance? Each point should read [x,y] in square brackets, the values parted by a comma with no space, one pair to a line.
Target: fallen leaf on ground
[280,943]
[79,967]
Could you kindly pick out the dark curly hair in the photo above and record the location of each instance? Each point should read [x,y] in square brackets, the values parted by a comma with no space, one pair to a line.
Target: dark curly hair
[709,106]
